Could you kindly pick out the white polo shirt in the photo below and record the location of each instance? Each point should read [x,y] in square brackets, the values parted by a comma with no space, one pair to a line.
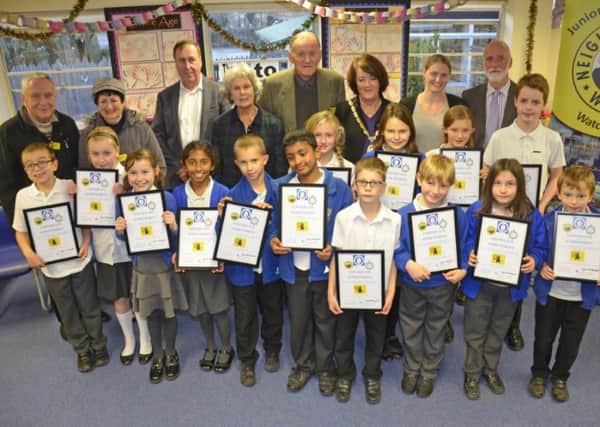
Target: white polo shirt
[352,230]
[542,146]
[31,197]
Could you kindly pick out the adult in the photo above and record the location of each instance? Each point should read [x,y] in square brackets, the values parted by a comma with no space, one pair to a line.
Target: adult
[295,94]
[36,121]
[129,125]
[242,88]
[185,111]
[428,107]
[368,79]
[492,102]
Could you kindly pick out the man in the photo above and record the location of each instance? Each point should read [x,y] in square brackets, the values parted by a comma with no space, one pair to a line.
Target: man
[36,121]
[294,95]
[185,111]
[492,103]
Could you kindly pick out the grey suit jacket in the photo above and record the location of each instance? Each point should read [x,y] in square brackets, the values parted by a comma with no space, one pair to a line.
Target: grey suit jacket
[166,123]
[279,98]
[476,97]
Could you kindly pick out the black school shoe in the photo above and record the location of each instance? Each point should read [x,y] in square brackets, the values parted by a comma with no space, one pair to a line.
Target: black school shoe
[157,369]
[514,339]
[172,366]
[207,363]
[145,358]
[224,359]
[101,357]
[327,384]
[126,359]
[372,391]
[85,362]
[343,389]
[297,379]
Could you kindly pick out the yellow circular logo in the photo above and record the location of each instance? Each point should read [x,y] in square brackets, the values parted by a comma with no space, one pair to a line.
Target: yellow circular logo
[189,221]
[348,264]
[490,229]
[131,206]
[422,225]
[38,220]
[235,216]
[85,181]
[291,198]
[567,227]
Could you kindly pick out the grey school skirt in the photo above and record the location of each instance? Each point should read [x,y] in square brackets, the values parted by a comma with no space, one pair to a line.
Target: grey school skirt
[206,292]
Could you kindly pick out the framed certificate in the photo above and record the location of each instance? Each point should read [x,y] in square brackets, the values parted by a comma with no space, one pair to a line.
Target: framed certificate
[359,279]
[500,249]
[95,201]
[467,165]
[196,239]
[303,216]
[146,232]
[533,175]
[52,232]
[401,178]
[433,239]
[576,248]
[345,174]
[242,233]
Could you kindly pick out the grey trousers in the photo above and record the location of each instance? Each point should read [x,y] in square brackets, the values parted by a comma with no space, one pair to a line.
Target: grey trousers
[77,303]
[423,314]
[487,319]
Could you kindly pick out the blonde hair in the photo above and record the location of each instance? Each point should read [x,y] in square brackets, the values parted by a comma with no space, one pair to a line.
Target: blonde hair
[327,116]
[579,177]
[458,112]
[373,164]
[437,167]
[103,132]
[247,141]
[143,154]
[38,146]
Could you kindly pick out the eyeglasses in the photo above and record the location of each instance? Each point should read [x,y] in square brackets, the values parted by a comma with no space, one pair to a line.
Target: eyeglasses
[364,183]
[42,164]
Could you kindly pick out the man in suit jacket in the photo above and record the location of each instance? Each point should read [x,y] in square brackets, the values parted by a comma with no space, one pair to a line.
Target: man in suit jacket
[294,95]
[497,61]
[185,111]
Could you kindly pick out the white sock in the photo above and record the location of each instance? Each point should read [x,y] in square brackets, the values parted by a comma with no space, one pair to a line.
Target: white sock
[126,322]
[145,343]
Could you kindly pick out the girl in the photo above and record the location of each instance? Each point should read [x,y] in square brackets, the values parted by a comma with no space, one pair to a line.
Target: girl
[155,289]
[458,129]
[490,305]
[208,295]
[113,265]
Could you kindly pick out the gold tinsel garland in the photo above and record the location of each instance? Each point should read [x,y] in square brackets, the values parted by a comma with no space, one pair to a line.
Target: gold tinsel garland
[530,35]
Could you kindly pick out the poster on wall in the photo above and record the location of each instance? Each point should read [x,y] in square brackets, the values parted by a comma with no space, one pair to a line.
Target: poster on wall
[142,55]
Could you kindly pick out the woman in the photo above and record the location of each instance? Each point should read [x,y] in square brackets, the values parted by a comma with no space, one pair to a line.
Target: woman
[242,88]
[428,107]
[131,126]
[368,79]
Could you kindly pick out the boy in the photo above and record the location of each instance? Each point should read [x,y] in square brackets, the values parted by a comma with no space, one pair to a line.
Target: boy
[70,283]
[260,285]
[312,326]
[426,302]
[366,224]
[562,304]
[530,142]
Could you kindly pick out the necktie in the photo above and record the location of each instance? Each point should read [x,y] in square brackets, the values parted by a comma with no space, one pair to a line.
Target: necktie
[493,120]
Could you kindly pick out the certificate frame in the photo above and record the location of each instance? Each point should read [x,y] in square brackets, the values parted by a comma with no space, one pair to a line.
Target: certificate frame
[124,202]
[431,219]
[533,172]
[343,263]
[42,214]
[78,206]
[396,161]
[484,230]
[466,156]
[582,223]
[225,248]
[304,192]
[183,221]
[338,172]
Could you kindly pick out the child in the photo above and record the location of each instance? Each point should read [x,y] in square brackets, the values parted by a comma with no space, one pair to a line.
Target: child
[458,129]
[113,265]
[530,142]
[490,305]
[426,301]
[312,326]
[562,304]
[155,289]
[329,133]
[208,294]
[70,283]
[256,286]
[366,224]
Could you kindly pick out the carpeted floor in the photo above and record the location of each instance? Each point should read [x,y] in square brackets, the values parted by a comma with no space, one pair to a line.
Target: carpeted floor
[40,384]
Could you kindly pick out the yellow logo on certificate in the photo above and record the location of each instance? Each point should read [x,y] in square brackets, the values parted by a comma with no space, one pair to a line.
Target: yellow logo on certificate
[131,207]
[460,185]
[302,226]
[198,246]
[422,225]
[360,289]
[235,215]
[577,256]
[189,222]
[38,220]
[348,264]
[146,230]
[498,259]
[54,241]
[491,230]
[239,242]
[393,190]
[292,198]
[85,182]
[95,206]
[435,250]
[567,227]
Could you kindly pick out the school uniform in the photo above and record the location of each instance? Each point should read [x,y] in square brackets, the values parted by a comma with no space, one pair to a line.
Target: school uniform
[490,306]
[261,285]
[564,305]
[424,308]
[71,284]
[312,325]
[353,230]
